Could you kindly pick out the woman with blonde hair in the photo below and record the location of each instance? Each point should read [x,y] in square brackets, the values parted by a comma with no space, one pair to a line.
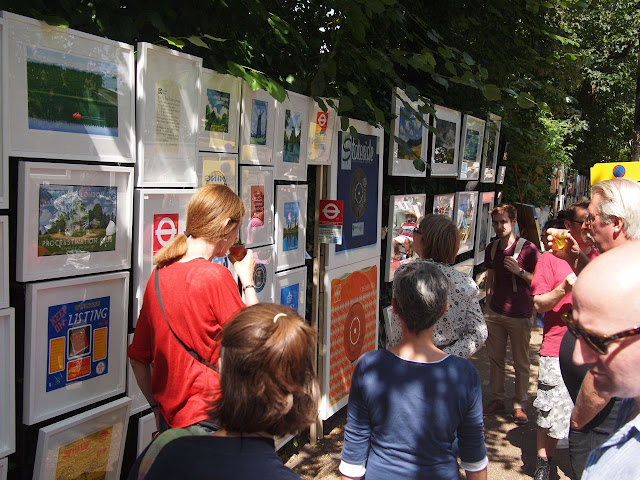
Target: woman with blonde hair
[186,302]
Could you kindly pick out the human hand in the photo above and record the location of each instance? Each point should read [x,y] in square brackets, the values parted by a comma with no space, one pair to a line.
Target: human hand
[569,252]
[511,265]
[245,267]
[569,281]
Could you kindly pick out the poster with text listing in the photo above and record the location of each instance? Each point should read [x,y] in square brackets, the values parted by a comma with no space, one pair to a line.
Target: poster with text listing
[351,328]
[75,348]
[356,179]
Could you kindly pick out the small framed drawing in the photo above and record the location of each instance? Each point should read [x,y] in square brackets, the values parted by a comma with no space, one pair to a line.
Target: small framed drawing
[73,220]
[257,126]
[138,401]
[444,143]
[404,212]
[256,191]
[291,225]
[490,148]
[69,94]
[291,138]
[356,179]
[502,170]
[219,112]
[167,98]
[75,343]
[161,214]
[4,157]
[322,128]
[87,445]
[8,379]
[146,430]
[483,225]
[471,148]
[4,466]
[263,274]
[443,204]
[351,328]
[465,218]
[291,289]
[392,326]
[4,261]
[408,126]
[218,168]
[465,267]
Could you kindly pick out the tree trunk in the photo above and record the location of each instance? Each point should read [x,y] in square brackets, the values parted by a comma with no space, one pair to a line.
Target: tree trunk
[635,141]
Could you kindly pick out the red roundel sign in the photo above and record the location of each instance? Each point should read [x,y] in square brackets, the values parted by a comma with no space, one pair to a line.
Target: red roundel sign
[165,228]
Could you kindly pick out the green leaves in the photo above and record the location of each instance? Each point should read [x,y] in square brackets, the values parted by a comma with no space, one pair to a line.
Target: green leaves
[491,92]
[197,41]
[176,42]
[525,100]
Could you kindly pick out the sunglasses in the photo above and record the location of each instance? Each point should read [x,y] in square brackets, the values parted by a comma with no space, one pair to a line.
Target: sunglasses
[598,342]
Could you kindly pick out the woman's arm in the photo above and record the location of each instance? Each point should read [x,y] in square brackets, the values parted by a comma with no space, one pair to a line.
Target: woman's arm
[142,372]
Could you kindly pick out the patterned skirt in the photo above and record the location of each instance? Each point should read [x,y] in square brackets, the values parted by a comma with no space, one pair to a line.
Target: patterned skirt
[553,402]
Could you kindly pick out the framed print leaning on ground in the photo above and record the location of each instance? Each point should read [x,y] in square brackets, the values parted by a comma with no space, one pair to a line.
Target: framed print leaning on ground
[322,128]
[404,213]
[218,168]
[444,143]
[465,218]
[219,118]
[256,191]
[8,382]
[443,204]
[291,138]
[408,127]
[471,148]
[483,228]
[4,261]
[138,401]
[291,225]
[257,126]
[146,430]
[465,267]
[490,148]
[291,289]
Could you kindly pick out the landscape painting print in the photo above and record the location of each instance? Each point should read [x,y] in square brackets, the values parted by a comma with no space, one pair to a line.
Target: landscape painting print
[67,93]
[217,111]
[445,142]
[259,123]
[410,131]
[76,219]
[292,132]
[290,227]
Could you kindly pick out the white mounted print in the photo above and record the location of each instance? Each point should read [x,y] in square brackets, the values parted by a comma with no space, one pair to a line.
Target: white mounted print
[483,226]
[256,191]
[4,138]
[409,127]
[443,204]
[219,112]
[291,289]
[444,143]
[291,225]
[264,271]
[490,148]
[4,261]
[404,213]
[471,148]
[138,401]
[502,170]
[322,128]
[392,326]
[291,138]
[8,382]
[146,431]
[4,466]
[257,126]
[465,219]
[218,168]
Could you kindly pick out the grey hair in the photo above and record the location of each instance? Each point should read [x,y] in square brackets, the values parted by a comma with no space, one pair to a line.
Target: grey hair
[420,293]
[621,199]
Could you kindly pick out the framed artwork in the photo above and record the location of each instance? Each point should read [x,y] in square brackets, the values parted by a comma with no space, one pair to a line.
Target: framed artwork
[356,179]
[282,441]
[443,204]
[219,168]
[161,214]
[256,191]
[4,261]
[490,148]
[264,272]
[483,225]
[498,202]
[87,445]
[291,138]
[73,219]
[257,126]
[351,328]
[146,430]
[291,289]
[8,379]
[408,127]
[4,157]
[69,94]
[322,131]
[75,343]
[392,326]
[502,170]
[167,99]
[465,218]
[471,148]
[444,143]
[219,112]
[481,281]
[465,267]
[404,213]
[291,225]
[138,401]
[4,466]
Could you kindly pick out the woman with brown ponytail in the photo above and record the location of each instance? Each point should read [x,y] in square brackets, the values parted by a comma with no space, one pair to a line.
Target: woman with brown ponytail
[187,301]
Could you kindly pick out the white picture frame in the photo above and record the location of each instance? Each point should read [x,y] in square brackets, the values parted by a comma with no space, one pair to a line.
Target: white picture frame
[400,233]
[8,382]
[502,170]
[138,401]
[443,204]
[264,272]
[291,215]
[4,262]
[146,430]
[256,145]
[444,144]
[465,219]
[4,113]
[408,127]
[256,191]
[167,102]
[94,428]
[490,148]
[68,366]
[322,131]
[289,164]
[47,195]
[392,327]
[4,466]
[471,148]
[358,182]
[72,133]
[483,225]
[219,92]
[465,267]
[290,289]
[217,168]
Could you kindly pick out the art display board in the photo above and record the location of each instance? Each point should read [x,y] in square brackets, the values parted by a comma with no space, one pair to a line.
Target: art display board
[408,127]
[4,466]
[350,329]
[282,441]
[404,213]
[160,215]
[465,267]
[146,430]
[392,326]
[218,168]
[257,126]
[502,170]
[356,179]
[444,144]
[483,225]
[264,272]
[290,289]
[69,94]
[167,102]
[219,121]
[471,148]
[4,112]
[256,191]
[443,204]
[138,401]
[291,225]
[490,148]
[4,261]
[8,382]
[481,281]
[72,219]
[465,218]
[75,339]
[291,138]
[322,131]
[87,445]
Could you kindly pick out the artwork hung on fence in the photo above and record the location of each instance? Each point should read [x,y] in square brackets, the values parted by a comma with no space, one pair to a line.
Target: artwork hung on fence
[69,94]
[138,401]
[465,267]
[502,170]
[471,148]
[87,445]
[8,382]
[322,128]
[291,289]
[404,213]
[76,338]
[73,219]
[219,112]
[490,148]
[218,168]
[4,261]
[264,272]
[146,430]
[291,138]
[483,225]
[291,225]
[256,191]
[444,143]
[443,204]
[408,127]
[257,127]
[4,157]
[392,326]
[465,218]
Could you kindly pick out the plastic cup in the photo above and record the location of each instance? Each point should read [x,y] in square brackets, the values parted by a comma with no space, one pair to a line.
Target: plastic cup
[238,251]
[559,239]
